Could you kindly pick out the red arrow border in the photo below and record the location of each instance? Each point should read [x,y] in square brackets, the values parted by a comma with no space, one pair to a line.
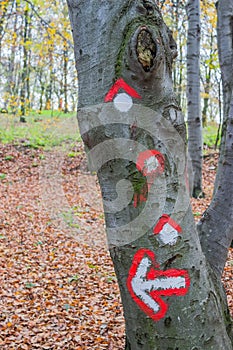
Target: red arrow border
[120,84]
[152,274]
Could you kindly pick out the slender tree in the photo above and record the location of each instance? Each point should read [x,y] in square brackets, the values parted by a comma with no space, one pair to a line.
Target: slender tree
[209,64]
[25,69]
[65,74]
[174,16]
[3,12]
[206,81]
[135,137]
[216,226]
[193,94]
[225,50]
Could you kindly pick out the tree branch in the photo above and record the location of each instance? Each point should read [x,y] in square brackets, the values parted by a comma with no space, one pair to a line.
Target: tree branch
[46,24]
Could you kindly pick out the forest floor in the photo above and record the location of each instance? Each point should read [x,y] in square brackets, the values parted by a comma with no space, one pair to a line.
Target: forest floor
[58,289]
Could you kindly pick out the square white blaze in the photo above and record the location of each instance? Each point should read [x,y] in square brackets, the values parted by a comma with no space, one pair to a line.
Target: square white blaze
[168,235]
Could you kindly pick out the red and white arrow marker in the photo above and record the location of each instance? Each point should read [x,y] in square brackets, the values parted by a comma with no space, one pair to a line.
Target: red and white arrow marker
[122,101]
[167,230]
[146,284]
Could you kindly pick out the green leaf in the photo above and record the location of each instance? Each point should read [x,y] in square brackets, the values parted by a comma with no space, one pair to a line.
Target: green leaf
[73,278]
[29,285]
[9,158]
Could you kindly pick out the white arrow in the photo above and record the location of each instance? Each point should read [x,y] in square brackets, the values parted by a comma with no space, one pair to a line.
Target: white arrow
[142,287]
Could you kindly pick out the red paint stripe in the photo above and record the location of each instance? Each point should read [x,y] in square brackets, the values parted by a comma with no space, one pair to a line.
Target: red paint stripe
[165,219]
[120,84]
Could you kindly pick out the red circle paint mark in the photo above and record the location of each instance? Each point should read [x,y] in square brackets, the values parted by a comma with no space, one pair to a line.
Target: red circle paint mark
[150,162]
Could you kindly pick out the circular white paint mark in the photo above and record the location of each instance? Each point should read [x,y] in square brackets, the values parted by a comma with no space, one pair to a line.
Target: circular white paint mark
[151,164]
[123,102]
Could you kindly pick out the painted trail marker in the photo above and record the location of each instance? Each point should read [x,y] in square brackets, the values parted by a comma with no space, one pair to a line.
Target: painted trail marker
[122,101]
[167,230]
[146,284]
[150,163]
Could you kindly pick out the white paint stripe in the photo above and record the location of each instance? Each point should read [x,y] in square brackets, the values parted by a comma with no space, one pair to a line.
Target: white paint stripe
[165,283]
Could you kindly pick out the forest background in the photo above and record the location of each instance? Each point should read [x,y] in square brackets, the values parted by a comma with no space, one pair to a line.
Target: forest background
[37,66]
[38,98]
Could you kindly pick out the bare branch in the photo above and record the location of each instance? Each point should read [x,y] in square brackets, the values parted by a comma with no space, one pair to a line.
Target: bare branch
[46,24]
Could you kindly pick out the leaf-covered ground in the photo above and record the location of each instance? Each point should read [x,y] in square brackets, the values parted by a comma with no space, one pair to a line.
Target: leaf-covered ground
[57,284]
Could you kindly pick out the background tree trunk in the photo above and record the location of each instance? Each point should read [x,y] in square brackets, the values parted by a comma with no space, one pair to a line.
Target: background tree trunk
[193,94]
[127,41]
[3,12]
[216,225]
[11,86]
[225,52]
[206,80]
[65,73]
[25,70]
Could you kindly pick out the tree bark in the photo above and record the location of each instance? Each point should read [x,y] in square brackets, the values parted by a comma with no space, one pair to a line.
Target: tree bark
[49,87]
[193,94]
[216,225]
[65,72]
[24,75]
[11,86]
[125,46]
[225,52]
[4,9]
[207,83]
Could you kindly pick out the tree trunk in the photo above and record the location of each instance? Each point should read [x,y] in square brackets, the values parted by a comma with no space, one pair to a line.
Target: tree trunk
[65,71]
[49,87]
[193,94]
[225,49]
[134,135]
[225,52]
[11,86]
[24,75]
[216,225]
[207,82]
[3,12]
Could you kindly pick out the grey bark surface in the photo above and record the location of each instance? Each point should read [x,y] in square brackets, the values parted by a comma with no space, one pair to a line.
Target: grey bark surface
[216,225]
[193,94]
[225,52]
[129,40]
